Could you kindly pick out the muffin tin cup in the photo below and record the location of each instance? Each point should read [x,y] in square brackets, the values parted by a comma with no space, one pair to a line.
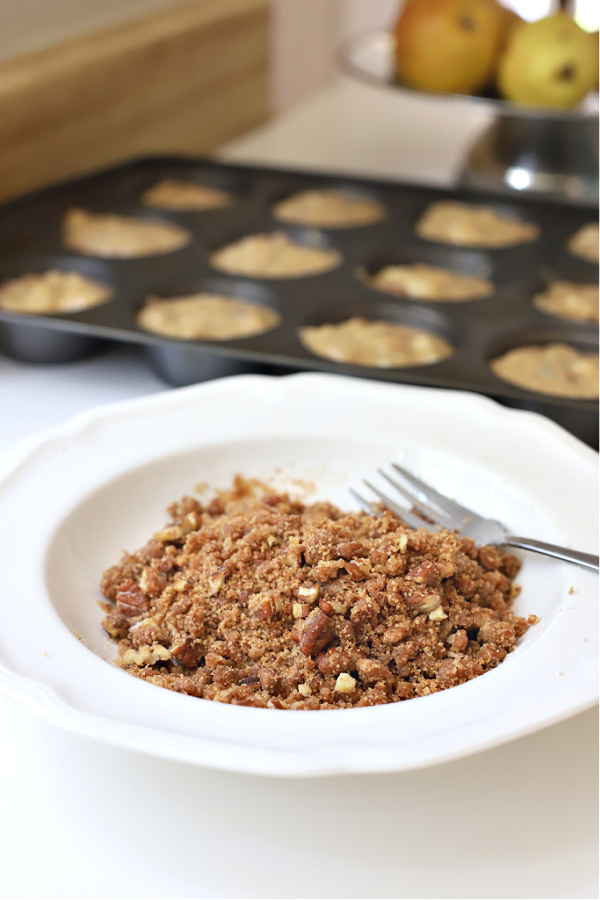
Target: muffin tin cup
[478,329]
[38,344]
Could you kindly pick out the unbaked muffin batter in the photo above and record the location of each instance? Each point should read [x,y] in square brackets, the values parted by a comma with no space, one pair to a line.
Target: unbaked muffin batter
[207,317]
[185,195]
[451,222]
[569,300]
[273,256]
[557,369]
[108,235]
[328,209]
[54,291]
[584,243]
[377,343]
[423,282]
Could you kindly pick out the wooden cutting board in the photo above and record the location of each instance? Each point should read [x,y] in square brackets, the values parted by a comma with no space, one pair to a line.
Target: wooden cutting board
[181,81]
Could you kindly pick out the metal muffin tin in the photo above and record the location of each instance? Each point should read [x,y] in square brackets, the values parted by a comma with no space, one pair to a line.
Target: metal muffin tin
[479,330]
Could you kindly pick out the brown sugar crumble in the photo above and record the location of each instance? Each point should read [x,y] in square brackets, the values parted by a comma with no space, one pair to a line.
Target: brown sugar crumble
[260,600]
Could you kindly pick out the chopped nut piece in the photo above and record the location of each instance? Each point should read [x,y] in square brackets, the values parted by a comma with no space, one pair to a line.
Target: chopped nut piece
[304,690]
[316,634]
[358,569]
[152,582]
[264,607]
[437,614]
[339,607]
[216,581]
[186,651]
[424,573]
[190,523]
[345,683]
[172,533]
[181,584]
[146,656]
[292,552]
[131,600]
[326,607]
[425,604]
[309,592]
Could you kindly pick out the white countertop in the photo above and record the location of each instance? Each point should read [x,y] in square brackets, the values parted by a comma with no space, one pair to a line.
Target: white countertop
[84,820]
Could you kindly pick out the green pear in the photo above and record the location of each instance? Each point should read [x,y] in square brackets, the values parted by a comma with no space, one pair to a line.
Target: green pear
[551,62]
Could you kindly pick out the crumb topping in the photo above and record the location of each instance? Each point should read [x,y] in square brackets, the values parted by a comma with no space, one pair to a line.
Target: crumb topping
[260,600]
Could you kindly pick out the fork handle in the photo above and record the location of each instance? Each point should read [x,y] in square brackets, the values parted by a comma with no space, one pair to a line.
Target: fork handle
[587,560]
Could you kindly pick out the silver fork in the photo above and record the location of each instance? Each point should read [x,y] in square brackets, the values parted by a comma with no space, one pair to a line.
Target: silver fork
[431,510]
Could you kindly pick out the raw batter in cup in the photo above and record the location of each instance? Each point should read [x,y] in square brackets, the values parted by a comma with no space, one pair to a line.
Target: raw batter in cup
[273,256]
[466,225]
[376,343]
[557,369]
[208,317]
[54,291]
[109,235]
[423,282]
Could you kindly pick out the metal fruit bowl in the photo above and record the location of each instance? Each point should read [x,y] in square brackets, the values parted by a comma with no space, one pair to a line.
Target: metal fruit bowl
[551,150]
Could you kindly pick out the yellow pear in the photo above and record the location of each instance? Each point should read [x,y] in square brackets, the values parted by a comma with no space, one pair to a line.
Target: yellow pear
[448,45]
[551,62]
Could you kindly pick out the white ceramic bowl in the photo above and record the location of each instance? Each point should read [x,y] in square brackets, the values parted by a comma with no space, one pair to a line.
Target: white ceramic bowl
[72,499]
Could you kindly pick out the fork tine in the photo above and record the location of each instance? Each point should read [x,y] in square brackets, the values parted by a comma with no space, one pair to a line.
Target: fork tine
[432,511]
[411,519]
[365,504]
[453,510]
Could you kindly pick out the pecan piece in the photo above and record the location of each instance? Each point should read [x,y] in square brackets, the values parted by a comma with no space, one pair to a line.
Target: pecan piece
[186,651]
[358,569]
[249,680]
[152,581]
[300,610]
[308,593]
[115,624]
[316,633]
[421,603]
[131,600]
[326,569]
[326,607]
[265,607]
[351,549]
[396,633]
[424,573]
